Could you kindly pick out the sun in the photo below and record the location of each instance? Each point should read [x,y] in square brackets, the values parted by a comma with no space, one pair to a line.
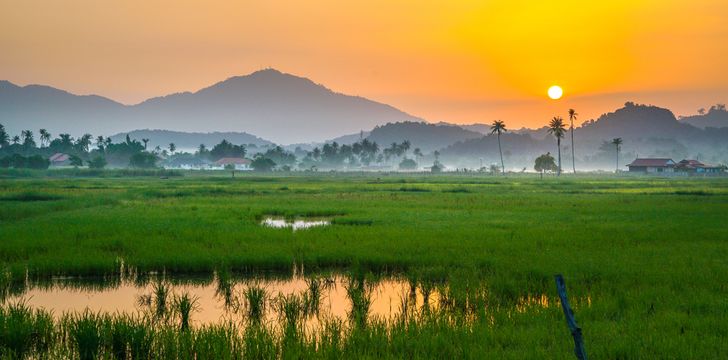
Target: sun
[555,92]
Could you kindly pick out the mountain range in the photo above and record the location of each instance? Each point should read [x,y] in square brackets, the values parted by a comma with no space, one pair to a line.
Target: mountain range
[273,105]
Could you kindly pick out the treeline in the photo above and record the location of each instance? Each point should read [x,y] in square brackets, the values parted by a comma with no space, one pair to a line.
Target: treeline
[26,151]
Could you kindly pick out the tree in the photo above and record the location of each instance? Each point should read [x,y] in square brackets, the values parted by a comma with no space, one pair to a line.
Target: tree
[556,128]
[100,142]
[98,162]
[172,148]
[418,154]
[262,164]
[437,156]
[499,127]
[572,117]
[145,141]
[4,137]
[75,161]
[617,142]
[84,142]
[143,160]
[408,164]
[226,149]
[545,162]
[28,141]
[16,140]
[45,137]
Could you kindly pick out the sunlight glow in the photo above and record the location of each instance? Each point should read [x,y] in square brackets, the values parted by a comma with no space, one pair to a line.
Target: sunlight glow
[555,92]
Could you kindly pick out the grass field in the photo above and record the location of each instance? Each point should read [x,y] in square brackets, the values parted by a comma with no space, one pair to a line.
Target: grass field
[644,258]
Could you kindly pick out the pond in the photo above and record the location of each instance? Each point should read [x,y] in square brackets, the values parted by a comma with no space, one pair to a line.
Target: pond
[296,224]
[221,298]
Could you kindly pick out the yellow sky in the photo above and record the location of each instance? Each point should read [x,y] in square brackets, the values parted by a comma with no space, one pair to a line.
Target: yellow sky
[458,61]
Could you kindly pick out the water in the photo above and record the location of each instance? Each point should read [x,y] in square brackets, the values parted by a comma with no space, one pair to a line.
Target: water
[297,224]
[68,296]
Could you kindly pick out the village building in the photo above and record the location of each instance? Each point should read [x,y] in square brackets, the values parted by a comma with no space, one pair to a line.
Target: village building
[235,163]
[697,167]
[60,159]
[652,165]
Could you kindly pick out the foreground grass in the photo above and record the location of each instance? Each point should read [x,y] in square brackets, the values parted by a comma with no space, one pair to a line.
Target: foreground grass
[649,253]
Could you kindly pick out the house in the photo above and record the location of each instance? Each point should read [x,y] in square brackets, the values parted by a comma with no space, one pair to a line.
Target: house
[60,159]
[696,167]
[236,163]
[650,166]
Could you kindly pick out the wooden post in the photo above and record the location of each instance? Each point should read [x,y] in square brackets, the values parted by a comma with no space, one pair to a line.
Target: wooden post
[579,349]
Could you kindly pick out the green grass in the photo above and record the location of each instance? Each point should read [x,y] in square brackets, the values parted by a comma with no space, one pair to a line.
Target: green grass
[648,253]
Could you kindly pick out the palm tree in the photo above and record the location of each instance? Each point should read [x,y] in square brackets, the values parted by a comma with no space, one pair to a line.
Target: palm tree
[572,117]
[4,137]
[418,154]
[406,146]
[437,156]
[556,128]
[16,140]
[172,148]
[617,142]
[145,141]
[45,137]
[28,140]
[100,142]
[499,127]
[84,142]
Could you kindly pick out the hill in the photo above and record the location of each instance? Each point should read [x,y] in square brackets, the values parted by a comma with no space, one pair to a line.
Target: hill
[277,106]
[716,117]
[427,137]
[190,141]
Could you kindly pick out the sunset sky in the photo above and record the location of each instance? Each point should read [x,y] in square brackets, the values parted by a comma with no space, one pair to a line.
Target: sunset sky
[456,61]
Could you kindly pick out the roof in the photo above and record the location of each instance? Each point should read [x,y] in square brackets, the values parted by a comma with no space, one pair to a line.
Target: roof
[694,164]
[652,162]
[59,157]
[232,161]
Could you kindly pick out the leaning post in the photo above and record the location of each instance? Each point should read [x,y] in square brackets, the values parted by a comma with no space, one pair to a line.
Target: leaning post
[579,349]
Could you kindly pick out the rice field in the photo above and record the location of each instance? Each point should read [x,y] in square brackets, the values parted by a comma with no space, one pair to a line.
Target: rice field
[644,260]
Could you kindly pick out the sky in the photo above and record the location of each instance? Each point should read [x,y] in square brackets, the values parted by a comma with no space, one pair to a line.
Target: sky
[458,61]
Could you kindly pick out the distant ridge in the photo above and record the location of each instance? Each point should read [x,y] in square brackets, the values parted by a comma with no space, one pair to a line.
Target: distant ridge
[274,105]
[190,140]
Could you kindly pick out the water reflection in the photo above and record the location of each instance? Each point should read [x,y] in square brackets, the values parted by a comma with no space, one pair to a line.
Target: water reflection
[297,224]
[225,298]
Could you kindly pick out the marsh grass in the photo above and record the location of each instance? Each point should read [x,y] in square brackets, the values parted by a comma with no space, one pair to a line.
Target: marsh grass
[184,306]
[255,299]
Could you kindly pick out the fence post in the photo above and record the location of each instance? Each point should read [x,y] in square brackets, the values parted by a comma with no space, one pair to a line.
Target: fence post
[570,320]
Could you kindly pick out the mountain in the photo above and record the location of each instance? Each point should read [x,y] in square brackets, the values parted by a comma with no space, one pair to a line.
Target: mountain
[716,117]
[647,131]
[277,106]
[190,141]
[427,137]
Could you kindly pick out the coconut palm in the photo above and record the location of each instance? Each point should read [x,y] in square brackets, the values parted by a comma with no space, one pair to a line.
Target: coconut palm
[617,142]
[4,137]
[45,137]
[145,141]
[418,154]
[16,140]
[499,127]
[557,129]
[100,141]
[84,142]
[172,147]
[572,117]
[28,140]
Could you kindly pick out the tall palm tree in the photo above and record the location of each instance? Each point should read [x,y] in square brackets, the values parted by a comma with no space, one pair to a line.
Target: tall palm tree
[557,129]
[572,117]
[28,140]
[499,127]
[100,142]
[617,142]
[172,147]
[4,137]
[16,140]
[145,141]
[45,137]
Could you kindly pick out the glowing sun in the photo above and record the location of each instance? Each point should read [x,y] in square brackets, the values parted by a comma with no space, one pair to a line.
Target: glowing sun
[555,92]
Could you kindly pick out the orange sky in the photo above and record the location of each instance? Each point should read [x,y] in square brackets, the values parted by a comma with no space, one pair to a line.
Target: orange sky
[457,61]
